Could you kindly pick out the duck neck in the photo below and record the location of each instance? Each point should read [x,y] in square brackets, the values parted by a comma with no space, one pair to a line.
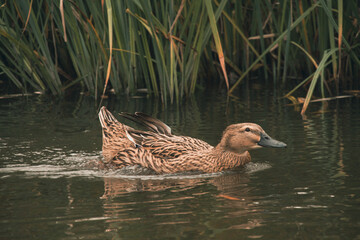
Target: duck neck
[227,159]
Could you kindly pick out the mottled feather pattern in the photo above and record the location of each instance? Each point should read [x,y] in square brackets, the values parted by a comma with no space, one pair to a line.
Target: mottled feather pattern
[158,149]
[164,146]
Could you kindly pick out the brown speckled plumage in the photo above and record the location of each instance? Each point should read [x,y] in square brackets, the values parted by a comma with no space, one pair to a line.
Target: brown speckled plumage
[158,149]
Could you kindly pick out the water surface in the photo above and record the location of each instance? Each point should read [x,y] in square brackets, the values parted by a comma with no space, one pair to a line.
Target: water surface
[309,190]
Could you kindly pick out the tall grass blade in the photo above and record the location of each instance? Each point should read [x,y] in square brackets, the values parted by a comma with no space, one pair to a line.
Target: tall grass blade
[317,73]
[259,26]
[306,35]
[340,21]
[63,19]
[287,46]
[110,19]
[28,16]
[282,23]
[216,36]
[307,53]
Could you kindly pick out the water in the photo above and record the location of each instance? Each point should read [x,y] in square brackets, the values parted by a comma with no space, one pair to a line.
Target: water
[51,190]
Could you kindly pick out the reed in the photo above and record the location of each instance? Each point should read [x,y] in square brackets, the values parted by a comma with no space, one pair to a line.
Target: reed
[168,48]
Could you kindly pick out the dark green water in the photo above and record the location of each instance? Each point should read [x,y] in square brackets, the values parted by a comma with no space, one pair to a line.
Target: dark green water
[311,190]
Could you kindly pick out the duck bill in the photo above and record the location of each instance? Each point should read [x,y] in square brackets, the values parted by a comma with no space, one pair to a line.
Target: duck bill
[267,141]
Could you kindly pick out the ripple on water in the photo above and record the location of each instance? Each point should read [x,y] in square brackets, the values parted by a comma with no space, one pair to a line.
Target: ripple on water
[56,164]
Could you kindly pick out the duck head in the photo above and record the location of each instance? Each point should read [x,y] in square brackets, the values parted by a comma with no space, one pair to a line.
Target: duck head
[242,137]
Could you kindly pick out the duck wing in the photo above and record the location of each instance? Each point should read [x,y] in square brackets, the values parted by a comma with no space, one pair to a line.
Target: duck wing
[150,123]
[168,147]
[159,140]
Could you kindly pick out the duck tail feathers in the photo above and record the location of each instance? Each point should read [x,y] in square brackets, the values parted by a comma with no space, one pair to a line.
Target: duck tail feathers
[106,118]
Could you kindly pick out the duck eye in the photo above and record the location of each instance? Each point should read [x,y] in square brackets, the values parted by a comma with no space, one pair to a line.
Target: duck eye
[247,129]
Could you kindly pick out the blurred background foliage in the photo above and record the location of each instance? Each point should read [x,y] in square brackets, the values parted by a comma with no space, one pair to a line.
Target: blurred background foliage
[172,48]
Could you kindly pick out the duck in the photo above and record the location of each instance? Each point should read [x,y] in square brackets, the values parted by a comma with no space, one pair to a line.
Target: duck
[158,149]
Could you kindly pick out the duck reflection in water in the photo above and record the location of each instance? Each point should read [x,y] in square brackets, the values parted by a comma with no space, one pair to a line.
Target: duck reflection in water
[167,202]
